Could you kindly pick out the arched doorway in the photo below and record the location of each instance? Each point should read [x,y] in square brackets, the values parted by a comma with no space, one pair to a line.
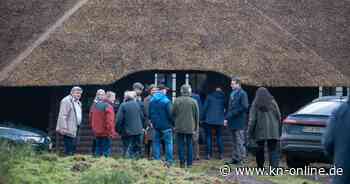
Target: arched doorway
[201,81]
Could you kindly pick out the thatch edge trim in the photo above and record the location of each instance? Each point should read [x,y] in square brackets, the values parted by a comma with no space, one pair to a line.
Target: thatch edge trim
[244,80]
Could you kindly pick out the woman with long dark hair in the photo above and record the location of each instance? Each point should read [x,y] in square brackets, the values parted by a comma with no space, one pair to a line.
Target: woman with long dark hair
[265,126]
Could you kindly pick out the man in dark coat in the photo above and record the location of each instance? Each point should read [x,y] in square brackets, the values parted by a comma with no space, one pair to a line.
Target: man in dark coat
[186,116]
[130,124]
[236,120]
[336,142]
[138,88]
[162,123]
[149,130]
[213,118]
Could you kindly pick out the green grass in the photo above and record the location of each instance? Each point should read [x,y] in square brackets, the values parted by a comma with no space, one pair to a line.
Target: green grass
[20,164]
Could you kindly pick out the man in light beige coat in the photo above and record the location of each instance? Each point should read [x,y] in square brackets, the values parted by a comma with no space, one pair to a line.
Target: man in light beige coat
[69,119]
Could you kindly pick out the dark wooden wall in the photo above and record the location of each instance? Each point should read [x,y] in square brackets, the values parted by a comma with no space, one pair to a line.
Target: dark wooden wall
[38,106]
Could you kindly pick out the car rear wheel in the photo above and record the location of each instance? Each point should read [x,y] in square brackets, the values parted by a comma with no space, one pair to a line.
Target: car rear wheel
[294,162]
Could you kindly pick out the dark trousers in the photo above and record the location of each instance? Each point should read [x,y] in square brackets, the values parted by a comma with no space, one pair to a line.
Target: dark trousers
[132,146]
[167,137]
[208,133]
[196,149]
[185,140]
[69,145]
[103,146]
[148,148]
[273,153]
[239,151]
[93,148]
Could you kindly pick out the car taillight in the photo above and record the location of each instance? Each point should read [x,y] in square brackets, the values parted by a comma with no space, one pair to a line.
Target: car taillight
[289,121]
[303,122]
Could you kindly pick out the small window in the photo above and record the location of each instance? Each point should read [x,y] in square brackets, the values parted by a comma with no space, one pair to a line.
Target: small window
[329,91]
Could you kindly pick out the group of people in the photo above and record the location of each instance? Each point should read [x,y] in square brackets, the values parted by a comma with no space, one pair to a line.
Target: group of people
[160,119]
[157,118]
[155,121]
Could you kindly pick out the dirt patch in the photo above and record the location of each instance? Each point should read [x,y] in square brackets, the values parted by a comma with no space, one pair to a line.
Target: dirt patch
[49,157]
[2,180]
[79,158]
[321,179]
[80,167]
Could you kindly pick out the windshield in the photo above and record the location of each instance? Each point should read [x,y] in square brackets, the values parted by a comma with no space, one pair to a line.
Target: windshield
[324,108]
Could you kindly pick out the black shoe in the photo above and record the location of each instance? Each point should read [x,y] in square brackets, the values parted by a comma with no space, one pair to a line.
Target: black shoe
[182,164]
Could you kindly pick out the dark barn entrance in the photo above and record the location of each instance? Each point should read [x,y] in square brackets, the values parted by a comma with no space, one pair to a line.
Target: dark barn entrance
[38,106]
[200,81]
[288,98]
[28,106]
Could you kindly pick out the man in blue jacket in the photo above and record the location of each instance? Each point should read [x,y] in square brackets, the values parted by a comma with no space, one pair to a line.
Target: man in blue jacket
[160,109]
[336,142]
[236,120]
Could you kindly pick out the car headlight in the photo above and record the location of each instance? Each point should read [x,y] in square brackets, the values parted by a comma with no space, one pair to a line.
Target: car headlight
[33,139]
[48,139]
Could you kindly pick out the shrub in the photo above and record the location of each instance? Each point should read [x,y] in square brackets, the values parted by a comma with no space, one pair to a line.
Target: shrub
[10,153]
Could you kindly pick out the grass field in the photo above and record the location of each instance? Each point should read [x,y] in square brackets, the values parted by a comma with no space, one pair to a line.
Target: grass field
[20,165]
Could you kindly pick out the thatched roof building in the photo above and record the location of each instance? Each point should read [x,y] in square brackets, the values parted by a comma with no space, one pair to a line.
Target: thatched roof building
[99,42]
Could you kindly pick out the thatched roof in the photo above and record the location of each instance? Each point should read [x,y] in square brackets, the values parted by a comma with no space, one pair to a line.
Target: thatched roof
[323,25]
[22,21]
[106,40]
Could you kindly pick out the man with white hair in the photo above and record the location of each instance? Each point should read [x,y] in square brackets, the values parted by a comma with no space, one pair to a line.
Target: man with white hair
[100,95]
[103,124]
[69,119]
[130,124]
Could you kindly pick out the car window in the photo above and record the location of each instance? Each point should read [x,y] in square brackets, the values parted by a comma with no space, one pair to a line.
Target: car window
[320,108]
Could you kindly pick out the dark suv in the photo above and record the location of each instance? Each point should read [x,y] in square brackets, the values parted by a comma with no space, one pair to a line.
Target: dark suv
[303,130]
